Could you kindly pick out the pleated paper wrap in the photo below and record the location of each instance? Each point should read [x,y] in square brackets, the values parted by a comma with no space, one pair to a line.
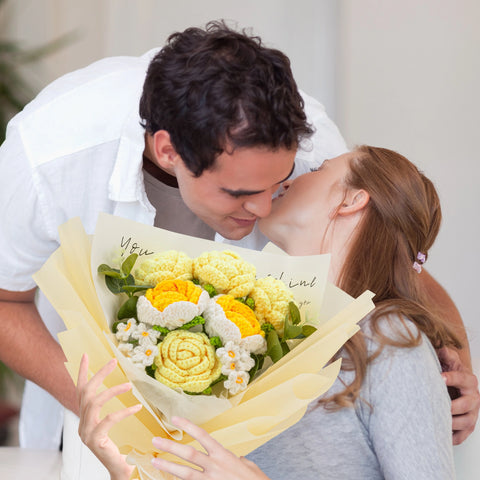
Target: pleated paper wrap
[272,403]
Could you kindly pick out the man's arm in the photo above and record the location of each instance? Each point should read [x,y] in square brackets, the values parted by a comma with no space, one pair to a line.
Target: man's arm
[27,347]
[457,364]
[439,297]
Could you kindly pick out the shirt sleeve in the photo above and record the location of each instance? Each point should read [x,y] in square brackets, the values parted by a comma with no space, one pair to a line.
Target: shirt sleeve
[410,424]
[326,141]
[26,238]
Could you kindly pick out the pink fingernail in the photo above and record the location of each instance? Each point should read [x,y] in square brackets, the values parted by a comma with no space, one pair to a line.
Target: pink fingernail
[157,442]
[135,409]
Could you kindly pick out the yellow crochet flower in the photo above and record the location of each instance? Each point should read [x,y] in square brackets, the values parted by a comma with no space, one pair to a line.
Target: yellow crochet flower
[171,291]
[241,315]
[234,322]
[172,303]
[187,360]
[271,298]
[170,265]
[226,271]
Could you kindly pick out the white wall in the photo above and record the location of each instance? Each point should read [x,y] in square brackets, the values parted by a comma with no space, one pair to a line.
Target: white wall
[304,30]
[409,78]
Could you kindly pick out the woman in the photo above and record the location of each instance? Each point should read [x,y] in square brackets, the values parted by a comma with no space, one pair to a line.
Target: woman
[388,413]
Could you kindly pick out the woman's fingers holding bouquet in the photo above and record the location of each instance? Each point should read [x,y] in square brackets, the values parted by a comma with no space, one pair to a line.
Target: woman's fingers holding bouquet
[94,431]
[87,387]
[217,464]
[90,402]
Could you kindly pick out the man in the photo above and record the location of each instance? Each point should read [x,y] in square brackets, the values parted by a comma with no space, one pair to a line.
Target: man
[221,125]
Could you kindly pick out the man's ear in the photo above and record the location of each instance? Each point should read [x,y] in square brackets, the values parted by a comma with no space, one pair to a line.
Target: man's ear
[354,201]
[163,150]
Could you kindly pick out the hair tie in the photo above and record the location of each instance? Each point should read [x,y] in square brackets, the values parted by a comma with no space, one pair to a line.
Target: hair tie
[422,258]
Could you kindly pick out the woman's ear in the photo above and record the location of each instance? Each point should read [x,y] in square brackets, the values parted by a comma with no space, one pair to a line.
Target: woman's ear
[163,150]
[354,201]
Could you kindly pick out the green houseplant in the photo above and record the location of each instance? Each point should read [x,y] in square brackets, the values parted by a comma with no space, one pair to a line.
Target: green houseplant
[15,90]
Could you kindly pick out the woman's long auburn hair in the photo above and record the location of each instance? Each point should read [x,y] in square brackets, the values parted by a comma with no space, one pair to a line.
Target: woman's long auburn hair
[402,218]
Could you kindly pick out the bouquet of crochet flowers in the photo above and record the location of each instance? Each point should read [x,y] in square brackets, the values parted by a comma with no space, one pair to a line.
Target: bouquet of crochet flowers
[237,341]
[201,324]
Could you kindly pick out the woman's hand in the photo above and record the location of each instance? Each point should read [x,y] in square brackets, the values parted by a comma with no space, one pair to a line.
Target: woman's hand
[92,430]
[217,464]
[466,404]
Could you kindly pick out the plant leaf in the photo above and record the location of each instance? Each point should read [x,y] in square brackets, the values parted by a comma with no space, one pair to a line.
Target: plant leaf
[37,53]
[307,330]
[274,349]
[258,365]
[150,370]
[294,313]
[290,330]
[115,326]
[128,264]
[285,348]
[114,284]
[128,309]
[130,289]
[104,269]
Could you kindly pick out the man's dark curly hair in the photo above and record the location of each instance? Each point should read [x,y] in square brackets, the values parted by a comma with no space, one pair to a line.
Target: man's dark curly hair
[218,89]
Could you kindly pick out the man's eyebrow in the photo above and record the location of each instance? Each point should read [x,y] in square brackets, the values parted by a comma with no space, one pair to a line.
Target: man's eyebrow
[240,193]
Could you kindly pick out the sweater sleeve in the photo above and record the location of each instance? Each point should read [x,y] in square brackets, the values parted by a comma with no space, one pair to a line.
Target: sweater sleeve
[410,427]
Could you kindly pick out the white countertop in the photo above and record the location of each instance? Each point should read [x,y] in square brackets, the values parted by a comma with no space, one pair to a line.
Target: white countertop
[26,464]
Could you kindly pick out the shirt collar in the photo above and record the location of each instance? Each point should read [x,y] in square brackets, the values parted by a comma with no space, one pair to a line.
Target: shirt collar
[126,183]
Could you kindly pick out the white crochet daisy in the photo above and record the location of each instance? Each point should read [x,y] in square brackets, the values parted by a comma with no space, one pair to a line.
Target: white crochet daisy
[234,357]
[125,330]
[144,354]
[126,348]
[145,335]
[237,382]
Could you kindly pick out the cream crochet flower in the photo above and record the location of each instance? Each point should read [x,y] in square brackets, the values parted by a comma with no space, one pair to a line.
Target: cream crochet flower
[226,271]
[271,298]
[169,265]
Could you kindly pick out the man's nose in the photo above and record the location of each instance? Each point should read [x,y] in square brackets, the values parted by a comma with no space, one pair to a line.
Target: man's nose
[260,204]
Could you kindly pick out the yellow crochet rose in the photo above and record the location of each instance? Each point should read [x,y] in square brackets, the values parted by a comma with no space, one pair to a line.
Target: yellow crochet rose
[170,265]
[271,301]
[187,360]
[226,271]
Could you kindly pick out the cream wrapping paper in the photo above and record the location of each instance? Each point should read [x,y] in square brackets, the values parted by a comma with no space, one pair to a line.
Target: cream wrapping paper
[241,424]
